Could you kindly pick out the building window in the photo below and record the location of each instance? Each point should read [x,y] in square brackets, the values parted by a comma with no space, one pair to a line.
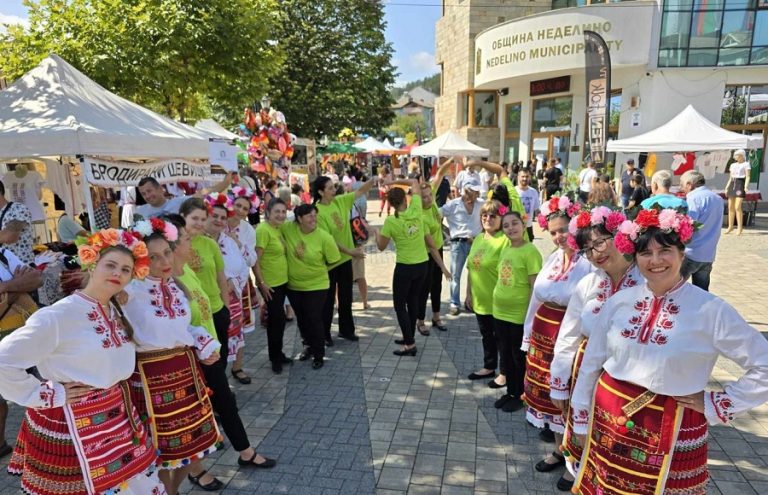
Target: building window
[708,33]
[552,114]
[512,116]
[479,109]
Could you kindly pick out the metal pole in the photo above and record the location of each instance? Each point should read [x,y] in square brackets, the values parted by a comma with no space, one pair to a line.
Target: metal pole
[87,194]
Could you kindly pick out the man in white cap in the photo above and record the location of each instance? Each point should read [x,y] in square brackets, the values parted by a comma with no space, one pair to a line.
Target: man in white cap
[463,217]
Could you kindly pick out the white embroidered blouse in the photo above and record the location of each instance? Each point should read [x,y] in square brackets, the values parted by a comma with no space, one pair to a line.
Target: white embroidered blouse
[75,340]
[161,318]
[235,266]
[246,234]
[669,345]
[554,284]
[580,321]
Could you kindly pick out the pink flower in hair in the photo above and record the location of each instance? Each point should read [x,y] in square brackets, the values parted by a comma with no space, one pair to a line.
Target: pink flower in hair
[573,209]
[573,228]
[623,244]
[599,214]
[545,209]
[668,220]
[170,232]
[542,219]
[503,210]
[563,203]
[629,229]
[614,220]
[685,229]
[572,242]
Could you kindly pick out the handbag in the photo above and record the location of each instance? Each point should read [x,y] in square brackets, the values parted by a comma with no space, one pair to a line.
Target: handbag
[15,308]
[359,227]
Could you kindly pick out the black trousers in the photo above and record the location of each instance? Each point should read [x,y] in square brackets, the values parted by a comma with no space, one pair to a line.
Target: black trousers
[407,283]
[490,349]
[530,233]
[432,287]
[224,403]
[221,324]
[308,307]
[341,279]
[276,323]
[510,338]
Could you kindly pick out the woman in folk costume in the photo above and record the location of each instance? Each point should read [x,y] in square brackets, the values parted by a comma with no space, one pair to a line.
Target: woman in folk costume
[639,400]
[168,388]
[222,399]
[81,434]
[244,201]
[237,272]
[555,284]
[593,233]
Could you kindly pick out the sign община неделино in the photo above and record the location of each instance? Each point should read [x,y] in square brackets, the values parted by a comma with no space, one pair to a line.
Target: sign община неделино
[555,41]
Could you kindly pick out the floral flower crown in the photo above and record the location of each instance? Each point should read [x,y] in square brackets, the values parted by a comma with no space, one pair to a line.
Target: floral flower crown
[599,215]
[243,192]
[220,199]
[157,226]
[557,206]
[667,220]
[89,249]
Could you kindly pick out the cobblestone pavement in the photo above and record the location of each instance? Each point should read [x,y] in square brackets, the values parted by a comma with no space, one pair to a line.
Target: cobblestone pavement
[370,422]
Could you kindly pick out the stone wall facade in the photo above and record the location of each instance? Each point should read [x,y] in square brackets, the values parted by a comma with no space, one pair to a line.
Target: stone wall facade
[455,40]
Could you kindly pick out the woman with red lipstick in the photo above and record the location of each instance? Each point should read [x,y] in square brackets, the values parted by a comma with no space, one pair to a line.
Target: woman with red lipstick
[81,433]
[552,291]
[594,232]
[640,394]
[167,386]
[244,201]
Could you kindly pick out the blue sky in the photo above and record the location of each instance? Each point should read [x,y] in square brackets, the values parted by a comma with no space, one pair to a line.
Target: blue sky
[410,29]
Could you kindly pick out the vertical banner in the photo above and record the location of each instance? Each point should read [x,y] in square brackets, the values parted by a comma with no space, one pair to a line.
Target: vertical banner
[598,74]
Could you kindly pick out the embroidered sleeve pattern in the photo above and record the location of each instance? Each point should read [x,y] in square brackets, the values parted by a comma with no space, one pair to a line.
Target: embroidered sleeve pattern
[718,407]
[51,395]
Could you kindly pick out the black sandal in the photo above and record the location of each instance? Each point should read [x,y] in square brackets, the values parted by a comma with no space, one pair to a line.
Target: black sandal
[241,377]
[439,325]
[544,467]
[213,486]
[423,330]
[268,463]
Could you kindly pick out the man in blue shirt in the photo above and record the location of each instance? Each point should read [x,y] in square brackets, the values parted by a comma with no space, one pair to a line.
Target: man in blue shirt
[705,207]
[660,195]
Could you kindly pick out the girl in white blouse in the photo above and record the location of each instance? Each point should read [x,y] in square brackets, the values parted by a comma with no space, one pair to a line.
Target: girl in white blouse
[81,433]
[736,189]
[639,399]
[244,201]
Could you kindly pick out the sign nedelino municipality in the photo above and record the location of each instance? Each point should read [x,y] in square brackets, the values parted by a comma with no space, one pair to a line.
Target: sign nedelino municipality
[555,41]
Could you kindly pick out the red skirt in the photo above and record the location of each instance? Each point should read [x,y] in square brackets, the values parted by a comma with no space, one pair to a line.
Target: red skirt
[664,452]
[169,392]
[236,340]
[540,410]
[101,437]
[571,445]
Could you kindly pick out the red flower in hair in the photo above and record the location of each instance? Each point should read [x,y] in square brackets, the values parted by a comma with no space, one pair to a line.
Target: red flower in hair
[554,204]
[647,218]
[583,220]
[157,224]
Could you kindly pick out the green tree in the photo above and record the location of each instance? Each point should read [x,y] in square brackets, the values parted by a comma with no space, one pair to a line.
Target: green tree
[184,58]
[337,70]
[430,83]
[408,124]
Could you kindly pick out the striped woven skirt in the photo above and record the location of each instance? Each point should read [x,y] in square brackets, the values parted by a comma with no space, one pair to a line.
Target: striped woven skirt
[540,410]
[571,447]
[169,392]
[235,337]
[87,448]
[661,449]
[249,302]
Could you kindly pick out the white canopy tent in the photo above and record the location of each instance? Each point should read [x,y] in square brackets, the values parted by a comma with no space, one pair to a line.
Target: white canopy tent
[388,146]
[55,110]
[450,144]
[213,128]
[688,131]
[370,145]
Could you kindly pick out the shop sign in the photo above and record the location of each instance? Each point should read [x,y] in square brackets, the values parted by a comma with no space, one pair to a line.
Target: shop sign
[106,173]
[554,41]
[549,86]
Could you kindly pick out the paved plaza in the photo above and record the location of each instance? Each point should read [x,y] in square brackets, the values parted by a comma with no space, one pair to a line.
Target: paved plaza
[370,422]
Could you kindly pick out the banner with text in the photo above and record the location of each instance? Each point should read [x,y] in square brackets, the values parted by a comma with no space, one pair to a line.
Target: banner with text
[107,173]
[598,72]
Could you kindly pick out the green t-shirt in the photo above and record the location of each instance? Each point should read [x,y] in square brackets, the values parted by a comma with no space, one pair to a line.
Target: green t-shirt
[515,204]
[406,229]
[433,223]
[310,256]
[273,261]
[513,292]
[334,219]
[199,304]
[207,262]
[482,263]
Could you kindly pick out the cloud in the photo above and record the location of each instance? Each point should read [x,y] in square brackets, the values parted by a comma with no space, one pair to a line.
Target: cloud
[11,19]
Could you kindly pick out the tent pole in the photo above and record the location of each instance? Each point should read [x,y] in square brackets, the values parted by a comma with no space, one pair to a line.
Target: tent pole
[87,195]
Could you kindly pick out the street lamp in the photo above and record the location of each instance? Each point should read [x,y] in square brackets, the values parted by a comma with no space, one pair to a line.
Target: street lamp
[266,102]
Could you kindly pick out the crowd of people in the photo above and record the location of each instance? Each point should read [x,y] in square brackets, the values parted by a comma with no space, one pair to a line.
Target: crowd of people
[603,344]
